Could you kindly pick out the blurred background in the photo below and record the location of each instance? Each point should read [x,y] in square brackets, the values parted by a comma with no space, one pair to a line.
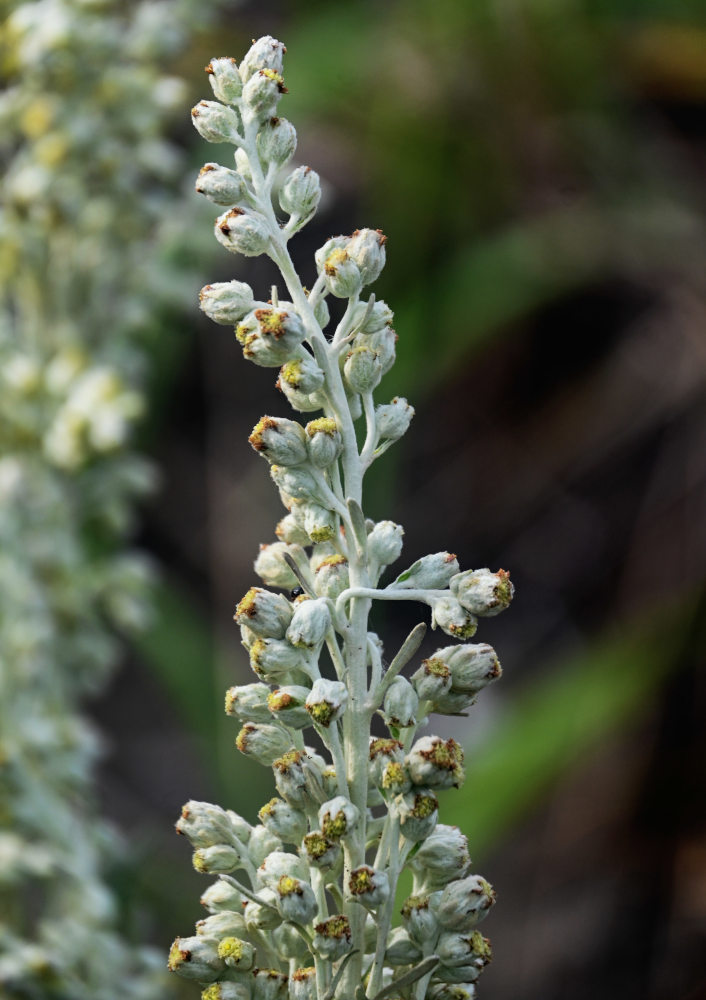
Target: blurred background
[538,170]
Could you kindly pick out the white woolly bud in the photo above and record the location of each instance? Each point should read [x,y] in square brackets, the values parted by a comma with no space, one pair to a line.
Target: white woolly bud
[418,812]
[248,702]
[401,949]
[265,53]
[205,824]
[264,743]
[320,523]
[217,860]
[443,856]
[393,419]
[222,897]
[368,886]
[268,984]
[420,919]
[324,441]
[340,272]
[385,543]
[220,185]
[431,572]
[363,369]
[243,231]
[286,822]
[264,915]
[332,937]
[483,593]
[273,569]
[266,614]
[302,375]
[271,337]
[287,705]
[319,851]
[464,903]
[225,79]
[300,195]
[338,818]
[302,984]
[367,248]
[279,440]
[452,618]
[262,92]
[327,701]
[274,660]
[436,762]
[279,863]
[215,122]
[332,577]
[296,900]
[310,623]
[291,532]
[226,302]
[196,958]
[277,141]
[400,704]
[263,842]
[432,680]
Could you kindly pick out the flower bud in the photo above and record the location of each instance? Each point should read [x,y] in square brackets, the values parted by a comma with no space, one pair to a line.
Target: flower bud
[287,941]
[216,860]
[462,956]
[226,991]
[283,820]
[243,231]
[272,567]
[341,274]
[291,532]
[363,369]
[368,320]
[268,984]
[300,194]
[443,856]
[287,706]
[279,863]
[400,704]
[242,163]
[383,343]
[367,248]
[297,482]
[220,185]
[220,925]
[248,702]
[262,844]
[298,776]
[302,984]
[321,312]
[222,897]
[418,811]
[274,660]
[436,762]
[327,701]
[279,440]
[320,524]
[319,851]
[453,619]
[332,937]
[385,543]
[338,818]
[215,122]
[237,954]
[264,743]
[265,53]
[205,824]
[303,402]
[395,779]
[265,613]
[464,903]
[262,92]
[277,141]
[452,991]
[472,667]
[324,441]
[196,958]
[382,752]
[401,949]
[263,915]
[296,900]
[483,593]
[368,886]
[431,572]
[302,374]
[226,302]
[332,577]
[393,419]
[419,919]
[310,623]
[225,79]
[432,680]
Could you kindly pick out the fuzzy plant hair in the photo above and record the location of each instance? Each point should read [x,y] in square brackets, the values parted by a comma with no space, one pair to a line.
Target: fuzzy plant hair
[303,903]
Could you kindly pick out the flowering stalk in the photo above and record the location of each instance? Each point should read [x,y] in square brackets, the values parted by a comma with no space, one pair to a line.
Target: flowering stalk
[303,902]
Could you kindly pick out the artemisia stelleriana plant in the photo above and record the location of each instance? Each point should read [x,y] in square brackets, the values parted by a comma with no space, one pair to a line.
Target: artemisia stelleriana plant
[303,904]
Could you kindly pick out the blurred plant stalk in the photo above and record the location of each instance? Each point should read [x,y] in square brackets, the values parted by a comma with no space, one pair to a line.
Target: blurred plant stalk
[89,177]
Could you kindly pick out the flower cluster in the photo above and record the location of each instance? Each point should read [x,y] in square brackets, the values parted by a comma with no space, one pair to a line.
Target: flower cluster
[302,904]
[83,113]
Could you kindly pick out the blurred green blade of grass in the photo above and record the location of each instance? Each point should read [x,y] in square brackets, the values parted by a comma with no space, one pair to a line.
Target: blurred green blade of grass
[557,720]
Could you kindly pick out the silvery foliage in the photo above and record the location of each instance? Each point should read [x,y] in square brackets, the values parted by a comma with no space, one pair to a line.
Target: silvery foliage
[302,903]
[82,116]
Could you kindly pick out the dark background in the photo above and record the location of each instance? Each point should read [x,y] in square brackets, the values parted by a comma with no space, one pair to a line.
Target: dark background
[538,170]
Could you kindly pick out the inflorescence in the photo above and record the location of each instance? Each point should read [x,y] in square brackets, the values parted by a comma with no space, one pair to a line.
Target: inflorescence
[303,902]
